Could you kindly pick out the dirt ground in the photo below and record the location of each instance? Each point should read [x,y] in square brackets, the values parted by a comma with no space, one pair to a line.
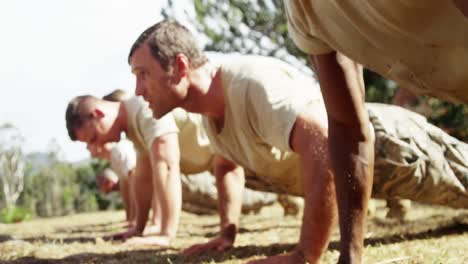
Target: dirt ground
[430,235]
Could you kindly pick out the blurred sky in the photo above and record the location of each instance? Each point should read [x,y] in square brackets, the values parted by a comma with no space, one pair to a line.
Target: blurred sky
[51,51]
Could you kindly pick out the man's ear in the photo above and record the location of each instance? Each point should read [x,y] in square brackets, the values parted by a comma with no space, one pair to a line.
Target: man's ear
[181,67]
[97,113]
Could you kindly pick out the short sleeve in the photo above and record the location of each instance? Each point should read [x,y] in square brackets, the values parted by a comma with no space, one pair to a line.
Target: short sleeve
[300,32]
[271,109]
[123,158]
[152,128]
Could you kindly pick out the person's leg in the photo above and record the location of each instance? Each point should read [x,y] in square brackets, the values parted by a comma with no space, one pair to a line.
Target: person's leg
[415,159]
[398,208]
[291,205]
[200,195]
[351,147]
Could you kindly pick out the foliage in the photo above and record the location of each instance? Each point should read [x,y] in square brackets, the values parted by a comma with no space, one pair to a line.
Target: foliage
[453,118]
[55,189]
[11,164]
[60,188]
[50,187]
[14,214]
[247,27]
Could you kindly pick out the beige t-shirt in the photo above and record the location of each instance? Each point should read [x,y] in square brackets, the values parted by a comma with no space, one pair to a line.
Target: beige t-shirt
[195,153]
[263,97]
[122,158]
[142,127]
[421,44]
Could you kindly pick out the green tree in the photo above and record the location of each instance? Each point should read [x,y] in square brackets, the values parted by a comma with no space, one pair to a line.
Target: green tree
[12,164]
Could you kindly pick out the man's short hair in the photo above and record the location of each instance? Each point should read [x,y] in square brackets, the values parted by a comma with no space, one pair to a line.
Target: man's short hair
[74,116]
[166,39]
[117,95]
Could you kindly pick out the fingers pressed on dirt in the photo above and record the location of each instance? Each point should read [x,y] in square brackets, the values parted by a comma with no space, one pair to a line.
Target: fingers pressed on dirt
[191,250]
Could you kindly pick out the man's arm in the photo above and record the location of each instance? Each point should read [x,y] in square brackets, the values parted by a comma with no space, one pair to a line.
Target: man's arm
[131,190]
[230,182]
[462,5]
[165,158]
[143,192]
[309,139]
[350,145]
[124,188]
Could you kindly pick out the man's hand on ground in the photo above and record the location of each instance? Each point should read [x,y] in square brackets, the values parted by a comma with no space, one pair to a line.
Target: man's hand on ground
[219,244]
[131,232]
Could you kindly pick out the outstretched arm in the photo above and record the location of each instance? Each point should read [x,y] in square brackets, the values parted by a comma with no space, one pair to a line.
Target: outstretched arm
[124,188]
[165,157]
[350,145]
[309,139]
[230,182]
[143,191]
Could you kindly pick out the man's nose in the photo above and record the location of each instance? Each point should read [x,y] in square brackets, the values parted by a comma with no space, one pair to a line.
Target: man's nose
[140,90]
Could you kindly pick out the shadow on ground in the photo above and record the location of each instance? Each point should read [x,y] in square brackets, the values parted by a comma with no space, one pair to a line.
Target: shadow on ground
[444,227]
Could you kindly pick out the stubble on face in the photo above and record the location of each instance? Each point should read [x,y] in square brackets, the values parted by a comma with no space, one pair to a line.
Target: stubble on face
[166,99]
[153,82]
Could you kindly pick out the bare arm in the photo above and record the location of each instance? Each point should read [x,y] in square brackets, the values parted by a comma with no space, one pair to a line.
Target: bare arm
[143,191]
[131,190]
[462,5]
[124,187]
[350,145]
[230,182]
[165,158]
[309,138]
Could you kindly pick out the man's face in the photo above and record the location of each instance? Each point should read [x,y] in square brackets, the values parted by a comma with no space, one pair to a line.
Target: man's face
[154,83]
[96,129]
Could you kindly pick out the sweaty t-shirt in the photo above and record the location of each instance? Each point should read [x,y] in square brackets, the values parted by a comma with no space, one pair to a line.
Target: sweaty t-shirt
[195,153]
[142,127]
[263,97]
[421,44]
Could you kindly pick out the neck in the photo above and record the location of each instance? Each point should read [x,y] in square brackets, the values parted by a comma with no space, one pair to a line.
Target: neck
[120,123]
[206,95]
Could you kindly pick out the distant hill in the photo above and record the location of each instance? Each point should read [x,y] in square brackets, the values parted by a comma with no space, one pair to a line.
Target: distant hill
[38,159]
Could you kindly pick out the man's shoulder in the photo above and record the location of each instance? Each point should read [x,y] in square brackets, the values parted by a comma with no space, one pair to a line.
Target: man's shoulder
[135,103]
[246,72]
[245,63]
